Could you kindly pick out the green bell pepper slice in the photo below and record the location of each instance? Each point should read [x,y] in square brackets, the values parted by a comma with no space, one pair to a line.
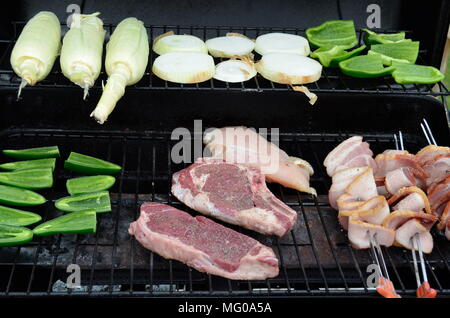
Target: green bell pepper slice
[89,184]
[415,74]
[365,66]
[399,51]
[371,37]
[330,56]
[10,216]
[336,32]
[99,201]
[20,197]
[33,153]
[29,164]
[90,165]
[32,179]
[80,222]
[11,235]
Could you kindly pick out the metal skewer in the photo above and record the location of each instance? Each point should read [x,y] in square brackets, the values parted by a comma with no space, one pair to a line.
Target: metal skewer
[423,288]
[385,286]
[378,253]
[427,132]
[416,268]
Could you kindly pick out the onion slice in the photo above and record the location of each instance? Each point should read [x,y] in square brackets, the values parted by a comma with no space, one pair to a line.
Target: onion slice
[184,67]
[234,71]
[230,46]
[282,43]
[169,42]
[286,68]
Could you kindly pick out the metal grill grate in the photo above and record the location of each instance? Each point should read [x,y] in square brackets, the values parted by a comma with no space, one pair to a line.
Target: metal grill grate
[332,80]
[315,257]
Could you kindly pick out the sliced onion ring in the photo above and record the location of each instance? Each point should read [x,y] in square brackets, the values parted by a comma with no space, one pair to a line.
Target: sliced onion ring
[184,67]
[234,71]
[169,42]
[288,68]
[282,43]
[230,45]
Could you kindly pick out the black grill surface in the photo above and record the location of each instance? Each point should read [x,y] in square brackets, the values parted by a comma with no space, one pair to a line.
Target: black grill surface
[315,257]
[331,81]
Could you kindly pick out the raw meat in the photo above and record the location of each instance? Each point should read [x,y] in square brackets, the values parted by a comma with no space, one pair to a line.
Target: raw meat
[399,178]
[410,199]
[202,244]
[233,193]
[438,169]
[359,233]
[341,180]
[243,145]
[444,223]
[439,195]
[430,152]
[347,151]
[386,163]
[372,211]
[406,233]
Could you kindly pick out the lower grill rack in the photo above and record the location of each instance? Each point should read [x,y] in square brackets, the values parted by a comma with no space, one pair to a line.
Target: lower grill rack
[315,257]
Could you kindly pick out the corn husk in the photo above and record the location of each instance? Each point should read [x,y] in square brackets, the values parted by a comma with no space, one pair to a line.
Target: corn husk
[126,60]
[81,52]
[36,49]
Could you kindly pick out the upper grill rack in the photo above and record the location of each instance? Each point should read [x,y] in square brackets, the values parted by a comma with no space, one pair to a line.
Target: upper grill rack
[315,257]
[332,80]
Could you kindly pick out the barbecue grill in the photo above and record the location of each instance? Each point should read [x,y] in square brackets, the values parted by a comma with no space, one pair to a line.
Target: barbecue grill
[315,257]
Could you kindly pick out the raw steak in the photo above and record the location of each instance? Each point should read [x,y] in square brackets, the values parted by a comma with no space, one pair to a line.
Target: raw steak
[202,244]
[233,193]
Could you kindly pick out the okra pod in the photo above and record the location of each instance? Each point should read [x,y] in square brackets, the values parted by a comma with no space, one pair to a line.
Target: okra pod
[89,184]
[10,216]
[20,197]
[33,153]
[99,201]
[11,235]
[32,179]
[90,165]
[72,223]
[29,164]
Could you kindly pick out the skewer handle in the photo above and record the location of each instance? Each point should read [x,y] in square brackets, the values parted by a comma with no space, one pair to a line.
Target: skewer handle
[425,291]
[386,288]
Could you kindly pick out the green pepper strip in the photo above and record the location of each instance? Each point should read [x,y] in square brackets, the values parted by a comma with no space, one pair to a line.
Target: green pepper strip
[33,153]
[14,235]
[365,66]
[335,32]
[73,223]
[331,56]
[415,74]
[10,216]
[21,197]
[32,179]
[99,201]
[90,165]
[89,184]
[400,52]
[29,164]
[371,37]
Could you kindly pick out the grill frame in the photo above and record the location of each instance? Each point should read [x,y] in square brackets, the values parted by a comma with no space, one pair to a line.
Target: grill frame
[339,280]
